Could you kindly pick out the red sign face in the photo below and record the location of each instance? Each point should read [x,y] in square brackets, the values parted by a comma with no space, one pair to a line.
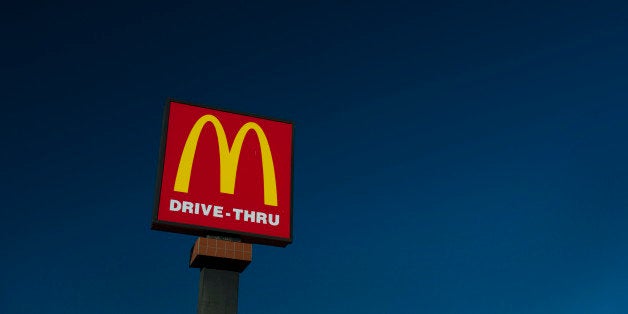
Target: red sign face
[225,173]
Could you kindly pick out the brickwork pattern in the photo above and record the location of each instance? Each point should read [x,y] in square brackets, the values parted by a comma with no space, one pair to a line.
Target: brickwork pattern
[217,249]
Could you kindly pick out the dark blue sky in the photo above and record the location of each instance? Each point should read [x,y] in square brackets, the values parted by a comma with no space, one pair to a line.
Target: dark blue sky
[450,157]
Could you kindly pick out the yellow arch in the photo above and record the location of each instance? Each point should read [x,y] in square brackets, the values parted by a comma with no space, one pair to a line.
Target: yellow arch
[229,158]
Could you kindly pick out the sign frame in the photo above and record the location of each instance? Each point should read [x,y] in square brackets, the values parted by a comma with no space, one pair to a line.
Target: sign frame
[177,227]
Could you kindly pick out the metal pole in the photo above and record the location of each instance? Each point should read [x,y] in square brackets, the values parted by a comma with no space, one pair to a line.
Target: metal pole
[218,291]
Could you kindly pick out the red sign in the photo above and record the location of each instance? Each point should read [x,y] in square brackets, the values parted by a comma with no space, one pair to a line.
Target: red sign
[225,173]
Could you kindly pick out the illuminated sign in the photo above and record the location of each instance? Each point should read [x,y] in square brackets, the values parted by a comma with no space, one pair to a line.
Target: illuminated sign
[225,173]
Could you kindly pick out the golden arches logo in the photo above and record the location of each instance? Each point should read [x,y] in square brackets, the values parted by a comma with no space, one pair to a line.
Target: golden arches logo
[229,157]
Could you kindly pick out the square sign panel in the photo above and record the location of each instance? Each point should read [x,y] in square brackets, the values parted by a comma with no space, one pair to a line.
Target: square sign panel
[225,173]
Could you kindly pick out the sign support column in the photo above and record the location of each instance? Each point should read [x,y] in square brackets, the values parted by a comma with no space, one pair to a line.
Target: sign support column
[218,291]
[221,260]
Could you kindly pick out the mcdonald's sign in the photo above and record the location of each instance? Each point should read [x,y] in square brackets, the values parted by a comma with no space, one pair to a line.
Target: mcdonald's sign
[224,173]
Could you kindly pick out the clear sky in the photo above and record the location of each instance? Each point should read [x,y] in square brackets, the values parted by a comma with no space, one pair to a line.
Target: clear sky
[450,157]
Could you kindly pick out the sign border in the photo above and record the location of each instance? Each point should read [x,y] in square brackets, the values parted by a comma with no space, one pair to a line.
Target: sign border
[176,227]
